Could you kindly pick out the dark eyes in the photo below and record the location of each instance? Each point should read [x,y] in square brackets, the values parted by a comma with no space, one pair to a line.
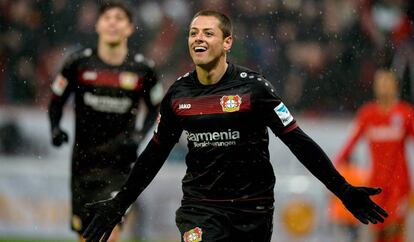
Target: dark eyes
[208,34]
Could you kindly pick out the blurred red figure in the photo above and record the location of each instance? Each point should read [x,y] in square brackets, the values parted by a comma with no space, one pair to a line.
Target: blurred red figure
[386,123]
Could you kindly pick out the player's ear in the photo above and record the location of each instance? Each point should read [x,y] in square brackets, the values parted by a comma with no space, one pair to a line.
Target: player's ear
[228,42]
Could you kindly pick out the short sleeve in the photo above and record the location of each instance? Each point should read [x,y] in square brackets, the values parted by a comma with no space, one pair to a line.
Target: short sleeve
[271,109]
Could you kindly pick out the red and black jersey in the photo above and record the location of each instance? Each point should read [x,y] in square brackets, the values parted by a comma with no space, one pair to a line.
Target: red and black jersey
[106,99]
[226,128]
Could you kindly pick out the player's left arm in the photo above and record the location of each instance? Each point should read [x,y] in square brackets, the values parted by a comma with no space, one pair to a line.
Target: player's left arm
[356,199]
[277,117]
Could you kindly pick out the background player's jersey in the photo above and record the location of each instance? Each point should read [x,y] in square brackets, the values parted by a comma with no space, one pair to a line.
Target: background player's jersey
[226,128]
[106,101]
[386,133]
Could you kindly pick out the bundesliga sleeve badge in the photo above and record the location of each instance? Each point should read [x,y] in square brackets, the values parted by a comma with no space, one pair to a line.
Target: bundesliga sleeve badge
[283,114]
[59,85]
[128,80]
[193,235]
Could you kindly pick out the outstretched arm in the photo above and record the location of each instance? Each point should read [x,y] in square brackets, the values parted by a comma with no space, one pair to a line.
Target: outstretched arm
[356,199]
[108,213]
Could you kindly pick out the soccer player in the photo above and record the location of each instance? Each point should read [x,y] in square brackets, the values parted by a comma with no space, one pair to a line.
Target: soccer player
[108,84]
[386,123]
[225,110]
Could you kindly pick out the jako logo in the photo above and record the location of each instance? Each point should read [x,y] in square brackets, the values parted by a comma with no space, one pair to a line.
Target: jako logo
[184,106]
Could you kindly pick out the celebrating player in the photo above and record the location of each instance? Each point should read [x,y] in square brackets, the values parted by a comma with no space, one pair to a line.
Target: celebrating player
[225,110]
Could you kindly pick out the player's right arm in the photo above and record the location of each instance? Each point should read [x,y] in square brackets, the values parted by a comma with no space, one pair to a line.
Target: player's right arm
[62,87]
[108,213]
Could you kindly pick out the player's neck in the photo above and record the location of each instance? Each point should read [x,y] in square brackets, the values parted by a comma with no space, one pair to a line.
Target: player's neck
[112,55]
[212,75]
[386,103]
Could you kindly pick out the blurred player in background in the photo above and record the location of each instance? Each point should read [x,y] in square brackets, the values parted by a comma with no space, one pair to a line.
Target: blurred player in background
[386,123]
[225,110]
[108,84]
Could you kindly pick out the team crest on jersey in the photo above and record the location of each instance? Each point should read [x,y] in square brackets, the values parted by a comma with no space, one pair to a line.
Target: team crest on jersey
[231,103]
[194,235]
[128,80]
[59,85]
[76,223]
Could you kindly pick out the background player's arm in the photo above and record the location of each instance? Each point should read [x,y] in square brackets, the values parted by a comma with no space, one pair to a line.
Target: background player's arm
[62,87]
[152,99]
[152,105]
[61,90]
[358,129]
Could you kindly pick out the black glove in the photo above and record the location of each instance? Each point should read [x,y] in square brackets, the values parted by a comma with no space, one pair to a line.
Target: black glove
[357,200]
[106,215]
[59,137]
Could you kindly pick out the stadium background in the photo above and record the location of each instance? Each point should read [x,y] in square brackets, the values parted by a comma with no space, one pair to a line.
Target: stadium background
[319,54]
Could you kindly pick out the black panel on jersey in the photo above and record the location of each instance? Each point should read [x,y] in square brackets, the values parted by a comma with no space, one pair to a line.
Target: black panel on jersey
[226,127]
[106,104]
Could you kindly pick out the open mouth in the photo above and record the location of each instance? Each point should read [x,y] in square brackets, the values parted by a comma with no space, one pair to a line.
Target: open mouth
[199,49]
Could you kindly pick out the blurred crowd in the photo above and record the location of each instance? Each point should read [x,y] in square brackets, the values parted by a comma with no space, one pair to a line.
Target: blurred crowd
[319,54]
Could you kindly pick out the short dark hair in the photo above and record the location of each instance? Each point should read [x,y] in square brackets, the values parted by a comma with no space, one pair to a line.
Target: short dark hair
[106,5]
[225,22]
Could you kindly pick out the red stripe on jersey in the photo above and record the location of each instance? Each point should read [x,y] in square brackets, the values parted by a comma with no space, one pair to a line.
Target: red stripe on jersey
[107,78]
[214,104]
[290,128]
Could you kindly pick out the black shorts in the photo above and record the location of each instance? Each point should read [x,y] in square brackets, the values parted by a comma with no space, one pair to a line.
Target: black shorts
[211,223]
[94,186]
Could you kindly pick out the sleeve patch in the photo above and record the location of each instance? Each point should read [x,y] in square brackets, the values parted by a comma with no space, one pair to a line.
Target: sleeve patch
[283,114]
[59,85]
[156,94]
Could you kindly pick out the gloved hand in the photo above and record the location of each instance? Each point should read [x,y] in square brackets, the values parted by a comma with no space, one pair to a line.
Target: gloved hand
[357,200]
[107,214]
[59,137]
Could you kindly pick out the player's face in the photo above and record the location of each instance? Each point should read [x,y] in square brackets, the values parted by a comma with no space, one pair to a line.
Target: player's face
[205,41]
[113,26]
[385,85]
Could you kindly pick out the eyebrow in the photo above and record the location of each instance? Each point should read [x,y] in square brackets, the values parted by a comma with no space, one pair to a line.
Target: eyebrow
[201,29]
